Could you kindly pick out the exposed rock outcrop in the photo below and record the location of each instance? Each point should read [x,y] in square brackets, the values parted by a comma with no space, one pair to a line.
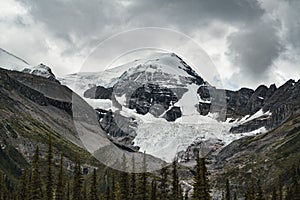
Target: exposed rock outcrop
[98,92]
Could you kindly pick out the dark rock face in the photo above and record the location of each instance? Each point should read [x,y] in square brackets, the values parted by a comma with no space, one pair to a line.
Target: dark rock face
[257,99]
[101,113]
[173,114]
[120,130]
[117,125]
[197,79]
[98,92]
[149,95]
[237,102]
[193,149]
[250,126]
[34,95]
[204,92]
[281,103]
[204,108]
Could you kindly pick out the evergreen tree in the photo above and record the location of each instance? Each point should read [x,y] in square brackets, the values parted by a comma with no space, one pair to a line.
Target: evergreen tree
[142,192]
[250,194]
[113,185]
[49,177]
[77,181]
[176,192]
[259,195]
[163,186]
[186,195]
[2,186]
[201,183]
[59,192]
[227,194]
[223,195]
[153,190]
[124,182]
[23,191]
[280,193]
[36,183]
[68,195]
[93,190]
[133,180]
[181,193]
[117,192]
[294,191]
[84,191]
[235,196]
[296,185]
[107,194]
[274,194]
[29,188]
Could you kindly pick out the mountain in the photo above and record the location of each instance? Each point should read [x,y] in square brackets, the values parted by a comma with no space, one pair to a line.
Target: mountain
[34,106]
[157,104]
[141,102]
[41,70]
[267,156]
[11,62]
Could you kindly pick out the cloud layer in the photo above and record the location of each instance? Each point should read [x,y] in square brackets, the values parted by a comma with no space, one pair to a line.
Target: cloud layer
[250,41]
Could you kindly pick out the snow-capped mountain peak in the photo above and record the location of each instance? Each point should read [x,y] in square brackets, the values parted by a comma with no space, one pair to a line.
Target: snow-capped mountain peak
[11,62]
[160,68]
[40,70]
[154,102]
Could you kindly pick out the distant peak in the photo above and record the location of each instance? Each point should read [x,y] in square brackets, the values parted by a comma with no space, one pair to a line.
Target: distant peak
[40,70]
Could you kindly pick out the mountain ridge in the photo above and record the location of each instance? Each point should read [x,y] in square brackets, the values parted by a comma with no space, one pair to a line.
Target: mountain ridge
[153,89]
[148,90]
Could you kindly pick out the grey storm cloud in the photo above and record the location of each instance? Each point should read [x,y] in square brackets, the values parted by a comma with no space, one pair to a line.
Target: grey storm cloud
[84,24]
[192,13]
[85,18]
[260,31]
[77,22]
[255,48]
[292,23]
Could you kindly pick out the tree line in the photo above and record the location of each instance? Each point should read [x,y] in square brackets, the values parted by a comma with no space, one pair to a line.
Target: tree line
[45,180]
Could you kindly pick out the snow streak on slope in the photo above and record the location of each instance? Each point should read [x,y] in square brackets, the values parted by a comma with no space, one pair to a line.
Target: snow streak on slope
[189,101]
[10,61]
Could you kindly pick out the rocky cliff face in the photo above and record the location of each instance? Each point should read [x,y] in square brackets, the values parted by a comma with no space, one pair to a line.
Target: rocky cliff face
[281,102]
[98,92]
[28,112]
[267,157]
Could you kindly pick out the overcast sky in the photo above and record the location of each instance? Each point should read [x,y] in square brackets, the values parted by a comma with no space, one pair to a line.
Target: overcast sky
[250,42]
